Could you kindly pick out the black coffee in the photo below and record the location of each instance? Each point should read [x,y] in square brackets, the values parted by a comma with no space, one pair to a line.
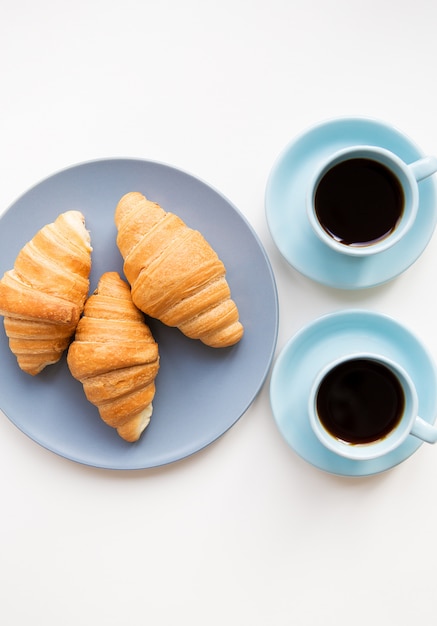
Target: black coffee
[360,401]
[359,202]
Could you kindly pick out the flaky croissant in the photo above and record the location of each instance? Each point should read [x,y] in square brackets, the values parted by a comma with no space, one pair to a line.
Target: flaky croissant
[174,273]
[43,296]
[116,358]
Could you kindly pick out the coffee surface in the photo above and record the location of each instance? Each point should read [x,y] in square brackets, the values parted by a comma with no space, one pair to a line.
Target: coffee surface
[360,401]
[359,202]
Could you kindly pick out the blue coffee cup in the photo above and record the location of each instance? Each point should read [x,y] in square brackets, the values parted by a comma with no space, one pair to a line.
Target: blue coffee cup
[363,406]
[369,199]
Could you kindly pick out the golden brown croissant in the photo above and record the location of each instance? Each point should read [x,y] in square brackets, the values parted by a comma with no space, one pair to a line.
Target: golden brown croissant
[116,358]
[43,296]
[174,273]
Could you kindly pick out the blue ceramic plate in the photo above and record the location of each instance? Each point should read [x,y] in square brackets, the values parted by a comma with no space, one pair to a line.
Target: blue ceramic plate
[331,337]
[201,391]
[286,210]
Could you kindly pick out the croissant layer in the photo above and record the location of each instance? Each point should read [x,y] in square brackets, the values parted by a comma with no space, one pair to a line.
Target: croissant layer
[174,273]
[116,358]
[43,296]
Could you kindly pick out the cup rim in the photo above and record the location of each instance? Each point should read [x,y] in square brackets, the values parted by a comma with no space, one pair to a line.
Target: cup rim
[374,449]
[406,179]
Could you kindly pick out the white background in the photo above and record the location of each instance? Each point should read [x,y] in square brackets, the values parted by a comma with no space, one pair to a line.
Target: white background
[244,532]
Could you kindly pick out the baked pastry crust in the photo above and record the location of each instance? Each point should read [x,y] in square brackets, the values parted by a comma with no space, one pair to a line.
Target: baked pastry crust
[43,296]
[116,358]
[174,273]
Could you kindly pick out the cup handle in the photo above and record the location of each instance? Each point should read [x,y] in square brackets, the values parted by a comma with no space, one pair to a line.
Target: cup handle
[422,168]
[424,430]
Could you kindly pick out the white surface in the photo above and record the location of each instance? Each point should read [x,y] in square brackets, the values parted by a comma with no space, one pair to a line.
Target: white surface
[244,532]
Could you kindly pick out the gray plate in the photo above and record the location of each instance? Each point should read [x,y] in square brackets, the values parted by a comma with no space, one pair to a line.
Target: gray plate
[201,391]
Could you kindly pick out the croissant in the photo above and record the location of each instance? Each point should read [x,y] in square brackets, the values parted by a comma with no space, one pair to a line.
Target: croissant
[174,273]
[43,296]
[116,358]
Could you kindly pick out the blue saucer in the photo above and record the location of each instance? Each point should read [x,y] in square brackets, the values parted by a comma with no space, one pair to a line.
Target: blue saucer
[330,337]
[286,211]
